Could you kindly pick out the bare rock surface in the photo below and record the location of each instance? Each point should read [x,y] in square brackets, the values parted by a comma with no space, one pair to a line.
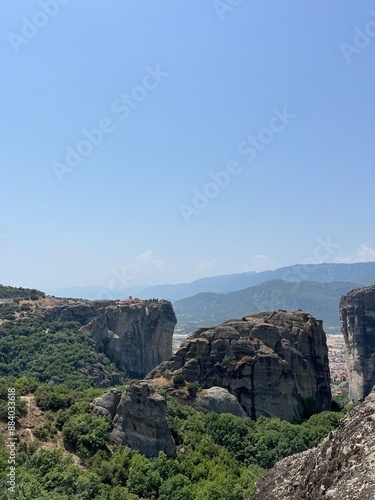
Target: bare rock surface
[357,315]
[218,400]
[135,337]
[272,362]
[107,404]
[341,467]
[141,422]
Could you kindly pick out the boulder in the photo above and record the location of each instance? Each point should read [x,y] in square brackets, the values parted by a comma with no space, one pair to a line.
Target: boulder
[218,400]
[107,404]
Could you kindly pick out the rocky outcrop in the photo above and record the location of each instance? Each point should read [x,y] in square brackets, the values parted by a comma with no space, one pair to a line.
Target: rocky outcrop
[83,311]
[134,334]
[141,421]
[342,467]
[357,315]
[135,337]
[106,405]
[274,363]
[218,400]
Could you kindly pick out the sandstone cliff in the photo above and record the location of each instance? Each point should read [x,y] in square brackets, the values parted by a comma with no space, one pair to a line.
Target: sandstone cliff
[135,337]
[357,315]
[341,467]
[139,419]
[274,363]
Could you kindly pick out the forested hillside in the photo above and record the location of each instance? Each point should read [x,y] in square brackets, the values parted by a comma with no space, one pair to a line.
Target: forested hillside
[53,352]
[65,454]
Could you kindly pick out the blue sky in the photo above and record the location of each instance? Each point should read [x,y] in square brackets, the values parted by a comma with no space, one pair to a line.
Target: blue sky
[175,88]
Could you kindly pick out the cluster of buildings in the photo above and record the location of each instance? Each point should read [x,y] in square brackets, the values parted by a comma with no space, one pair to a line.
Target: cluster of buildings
[337,363]
[337,358]
[131,301]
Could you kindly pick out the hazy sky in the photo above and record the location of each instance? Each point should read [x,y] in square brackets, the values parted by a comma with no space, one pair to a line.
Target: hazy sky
[161,141]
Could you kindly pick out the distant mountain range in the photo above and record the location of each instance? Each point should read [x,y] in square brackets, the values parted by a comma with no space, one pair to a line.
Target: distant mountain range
[362,273]
[209,309]
[315,288]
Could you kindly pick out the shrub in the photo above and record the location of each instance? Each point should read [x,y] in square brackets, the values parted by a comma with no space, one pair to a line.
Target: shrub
[144,478]
[86,432]
[178,380]
[45,431]
[167,374]
[26,385]
[53,397]
[193,388]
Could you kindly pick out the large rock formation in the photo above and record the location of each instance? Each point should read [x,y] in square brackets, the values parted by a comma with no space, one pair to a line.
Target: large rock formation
[135,337]
[357,315]
[135,334]
[276,364]
[141,421]
[341,467]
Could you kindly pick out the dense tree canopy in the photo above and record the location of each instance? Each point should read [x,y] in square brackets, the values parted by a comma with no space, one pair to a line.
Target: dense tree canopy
[52,352]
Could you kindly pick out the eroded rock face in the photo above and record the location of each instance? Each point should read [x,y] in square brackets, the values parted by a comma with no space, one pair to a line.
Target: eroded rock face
[357,315]
[107,404]
[341,467]
[218,400]
[135,337]
[141,422]
[135,334]
[274,363]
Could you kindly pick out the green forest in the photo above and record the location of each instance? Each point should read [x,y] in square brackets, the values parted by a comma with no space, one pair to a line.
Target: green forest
[52,352]
[218,456]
